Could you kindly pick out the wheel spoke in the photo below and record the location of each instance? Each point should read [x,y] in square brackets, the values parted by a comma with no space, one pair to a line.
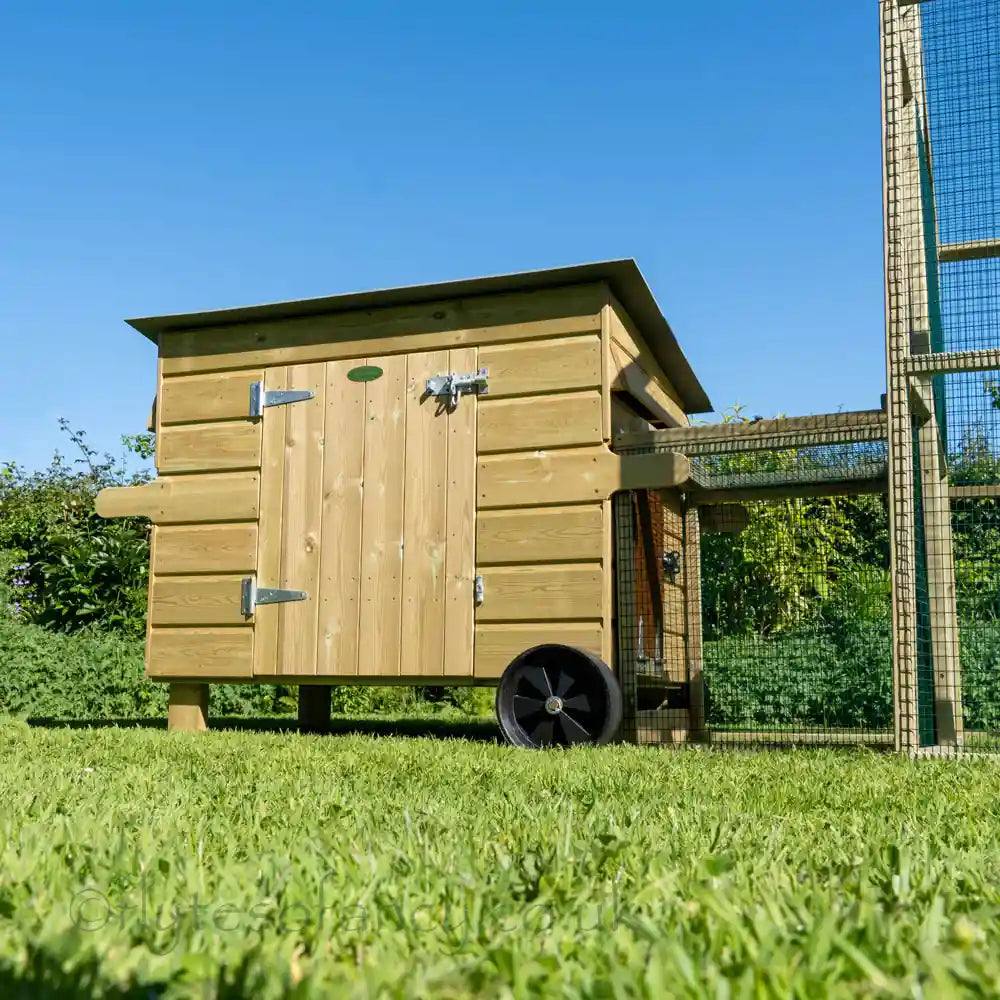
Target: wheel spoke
[543,732]
[579,702]
[572,729]
[538,679]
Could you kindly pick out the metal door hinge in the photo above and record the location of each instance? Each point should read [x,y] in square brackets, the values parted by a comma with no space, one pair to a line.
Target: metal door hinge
[479,591]
[452,386]
[251,596]
[259,397]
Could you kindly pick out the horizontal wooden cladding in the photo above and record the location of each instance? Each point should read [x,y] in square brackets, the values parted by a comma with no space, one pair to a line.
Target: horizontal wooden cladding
[195,600]
[543,534]
[551,592]
[231,496]
[564,420]
[498,645]
[542,366]
[213,447]
[572,476]
[188,399]
[205,548]
[478,320]
[215,653]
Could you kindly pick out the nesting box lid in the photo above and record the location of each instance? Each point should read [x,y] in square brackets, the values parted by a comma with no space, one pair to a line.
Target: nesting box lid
[622,276]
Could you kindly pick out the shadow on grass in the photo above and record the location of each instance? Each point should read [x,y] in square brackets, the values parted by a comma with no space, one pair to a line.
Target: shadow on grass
[479,730]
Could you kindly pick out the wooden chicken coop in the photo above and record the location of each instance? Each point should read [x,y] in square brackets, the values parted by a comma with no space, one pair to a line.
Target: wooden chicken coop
[420,486]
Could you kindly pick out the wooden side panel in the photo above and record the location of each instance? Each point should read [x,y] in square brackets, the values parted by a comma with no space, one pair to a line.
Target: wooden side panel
[382,519]
[425,517]
[497,645]
[557,421]
[626,336]
[216,653]
[543,366]
[205,548]
[232,444]
[191,399]
[196,600]
[340,559]
[693,618]
[301,524]
[460,560]
[548,592]
[540,534]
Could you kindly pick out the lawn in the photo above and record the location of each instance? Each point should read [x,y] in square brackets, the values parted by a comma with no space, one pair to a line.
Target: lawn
[264,864]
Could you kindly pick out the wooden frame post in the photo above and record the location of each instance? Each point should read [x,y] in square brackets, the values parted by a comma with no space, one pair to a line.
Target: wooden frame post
[693,621]
[187,709]
[314,708]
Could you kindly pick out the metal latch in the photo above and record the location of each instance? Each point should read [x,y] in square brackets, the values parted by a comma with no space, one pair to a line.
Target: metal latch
[672,565]
[640,655]
[479,591]
[259,398]
[452,386]
[251,596]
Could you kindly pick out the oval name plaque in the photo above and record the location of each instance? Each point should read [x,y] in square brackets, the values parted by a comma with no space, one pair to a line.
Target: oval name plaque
[365,373]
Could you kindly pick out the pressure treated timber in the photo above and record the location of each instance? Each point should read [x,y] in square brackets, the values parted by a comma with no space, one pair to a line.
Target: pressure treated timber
[472,322]
[573,476]
[748,494]
[762,435]
[230,496]
[205,548]
[302,520]
[550,592]
[542,366]
[187,709]
[196,600]
[498,645]
[189,399]
[972,250]
[265,650]
[625,334]
[540,534]
[379,629]
[952,362]
[556,421]
[216,447]
[425,515]
[314,708]
[974,492]
[631,378]
[340,558]
[625,421]
[218,654]
[460,556]
[693,622]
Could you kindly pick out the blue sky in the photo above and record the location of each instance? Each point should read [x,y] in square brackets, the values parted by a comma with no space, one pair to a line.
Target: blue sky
[164,157]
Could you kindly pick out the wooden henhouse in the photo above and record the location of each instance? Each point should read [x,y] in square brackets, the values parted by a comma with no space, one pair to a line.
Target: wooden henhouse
[421,486]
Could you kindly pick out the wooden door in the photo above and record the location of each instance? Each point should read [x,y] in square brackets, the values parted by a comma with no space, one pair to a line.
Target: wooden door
[368,505]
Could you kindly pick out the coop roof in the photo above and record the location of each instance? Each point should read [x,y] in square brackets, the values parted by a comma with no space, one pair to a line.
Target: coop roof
[622,276]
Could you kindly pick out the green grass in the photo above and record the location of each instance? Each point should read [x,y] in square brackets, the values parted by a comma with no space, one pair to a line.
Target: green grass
[258,864]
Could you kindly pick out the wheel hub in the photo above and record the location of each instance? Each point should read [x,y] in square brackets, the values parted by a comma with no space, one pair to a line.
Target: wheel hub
[553,704]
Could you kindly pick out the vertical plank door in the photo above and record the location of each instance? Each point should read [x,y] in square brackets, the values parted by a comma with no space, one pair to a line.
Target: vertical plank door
[368,504]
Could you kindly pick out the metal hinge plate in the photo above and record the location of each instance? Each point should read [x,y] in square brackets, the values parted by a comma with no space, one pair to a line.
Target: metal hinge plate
[251,596]
[452,386]
[479,591]
[260,398]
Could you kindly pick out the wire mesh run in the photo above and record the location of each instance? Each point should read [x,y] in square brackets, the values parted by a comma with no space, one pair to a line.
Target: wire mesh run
[779,632]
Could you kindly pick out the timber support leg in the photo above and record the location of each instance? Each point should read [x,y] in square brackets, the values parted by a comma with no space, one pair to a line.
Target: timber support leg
[314,708]
[188,708]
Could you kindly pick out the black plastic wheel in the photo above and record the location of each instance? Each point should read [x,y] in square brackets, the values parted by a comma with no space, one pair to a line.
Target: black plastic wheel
[555,695]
